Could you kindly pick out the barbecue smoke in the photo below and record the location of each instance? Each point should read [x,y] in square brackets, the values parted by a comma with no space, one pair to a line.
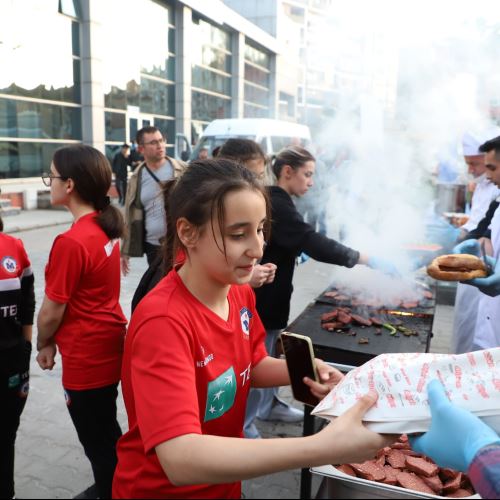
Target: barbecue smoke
[409,85]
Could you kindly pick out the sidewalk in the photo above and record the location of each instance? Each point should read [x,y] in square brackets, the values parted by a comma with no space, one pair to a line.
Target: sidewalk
[35,219]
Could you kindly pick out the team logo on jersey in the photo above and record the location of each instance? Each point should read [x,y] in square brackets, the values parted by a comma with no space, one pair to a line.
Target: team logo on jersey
[245,317]
[221,393]
[9,264]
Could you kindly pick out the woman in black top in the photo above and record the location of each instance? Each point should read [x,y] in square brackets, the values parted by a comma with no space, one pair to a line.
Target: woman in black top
[290,236]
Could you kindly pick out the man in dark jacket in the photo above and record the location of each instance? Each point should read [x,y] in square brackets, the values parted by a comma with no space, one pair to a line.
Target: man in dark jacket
[121,161]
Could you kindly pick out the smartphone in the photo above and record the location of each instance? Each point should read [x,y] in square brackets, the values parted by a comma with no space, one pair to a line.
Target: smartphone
[299,357]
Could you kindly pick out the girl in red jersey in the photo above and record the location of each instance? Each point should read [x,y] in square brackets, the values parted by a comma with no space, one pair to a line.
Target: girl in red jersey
[17,308]
[195,346]
[80,313]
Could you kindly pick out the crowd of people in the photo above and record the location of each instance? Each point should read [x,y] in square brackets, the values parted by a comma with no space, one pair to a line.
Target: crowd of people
[198,362]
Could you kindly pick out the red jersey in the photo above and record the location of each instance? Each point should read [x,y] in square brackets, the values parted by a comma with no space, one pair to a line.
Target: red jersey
[83,272]
[185,371]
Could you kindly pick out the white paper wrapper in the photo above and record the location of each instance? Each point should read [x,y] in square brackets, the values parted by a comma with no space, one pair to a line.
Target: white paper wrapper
[472,381]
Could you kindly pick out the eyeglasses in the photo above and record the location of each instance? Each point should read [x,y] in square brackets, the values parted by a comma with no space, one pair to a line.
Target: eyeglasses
[155,143]
[47,179]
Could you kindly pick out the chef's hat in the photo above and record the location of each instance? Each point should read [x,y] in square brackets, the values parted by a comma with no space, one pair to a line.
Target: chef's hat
[471,143]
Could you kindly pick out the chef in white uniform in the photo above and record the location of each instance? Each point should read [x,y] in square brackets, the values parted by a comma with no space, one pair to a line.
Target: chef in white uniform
[487,332]
[467,299]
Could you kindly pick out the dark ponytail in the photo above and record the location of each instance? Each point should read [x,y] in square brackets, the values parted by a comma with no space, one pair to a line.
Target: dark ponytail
[293,156]
[91,172]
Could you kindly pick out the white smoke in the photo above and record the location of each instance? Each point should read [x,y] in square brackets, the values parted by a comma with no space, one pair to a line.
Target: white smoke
[412,78]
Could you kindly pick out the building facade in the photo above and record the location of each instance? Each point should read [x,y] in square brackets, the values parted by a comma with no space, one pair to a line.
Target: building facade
[101,70]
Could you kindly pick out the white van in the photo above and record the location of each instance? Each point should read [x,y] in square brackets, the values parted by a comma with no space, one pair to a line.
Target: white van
[271,135]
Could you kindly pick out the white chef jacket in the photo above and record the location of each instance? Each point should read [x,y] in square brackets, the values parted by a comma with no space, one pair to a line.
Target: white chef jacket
[487,333]
[467,299]
[484,194]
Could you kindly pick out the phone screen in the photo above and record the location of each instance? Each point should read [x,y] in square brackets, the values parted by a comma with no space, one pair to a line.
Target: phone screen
[300,364]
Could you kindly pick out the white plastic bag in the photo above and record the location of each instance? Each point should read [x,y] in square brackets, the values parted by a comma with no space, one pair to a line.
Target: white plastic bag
[471,380]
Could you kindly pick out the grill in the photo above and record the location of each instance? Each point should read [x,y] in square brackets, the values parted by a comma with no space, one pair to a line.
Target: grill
[343,347]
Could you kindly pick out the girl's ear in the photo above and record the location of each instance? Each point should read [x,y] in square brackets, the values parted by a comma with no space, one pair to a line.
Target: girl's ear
[70,186]
[287,172]
[187,232]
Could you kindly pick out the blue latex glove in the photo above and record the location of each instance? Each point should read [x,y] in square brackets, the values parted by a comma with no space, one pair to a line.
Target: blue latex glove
[303,257]
[455,436]
[490,285]
[383,265]
[470,247]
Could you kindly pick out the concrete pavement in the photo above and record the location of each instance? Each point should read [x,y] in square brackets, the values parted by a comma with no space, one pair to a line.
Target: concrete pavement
[50,462]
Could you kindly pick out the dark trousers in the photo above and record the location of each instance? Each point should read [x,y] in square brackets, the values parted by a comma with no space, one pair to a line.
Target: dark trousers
[152,252]
[14,388]
[121,187]
[94,416]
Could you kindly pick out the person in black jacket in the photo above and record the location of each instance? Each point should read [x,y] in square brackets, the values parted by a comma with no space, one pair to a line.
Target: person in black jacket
[17,308]
[121,161]
[290,236]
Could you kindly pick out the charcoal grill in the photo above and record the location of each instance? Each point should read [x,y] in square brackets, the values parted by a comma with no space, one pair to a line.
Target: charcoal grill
[343,350]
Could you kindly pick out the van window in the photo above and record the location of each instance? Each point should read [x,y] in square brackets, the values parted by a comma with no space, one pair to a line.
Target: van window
[280,142]
[211,142]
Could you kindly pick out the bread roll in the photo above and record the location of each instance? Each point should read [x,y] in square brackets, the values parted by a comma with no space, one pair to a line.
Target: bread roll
[457,267]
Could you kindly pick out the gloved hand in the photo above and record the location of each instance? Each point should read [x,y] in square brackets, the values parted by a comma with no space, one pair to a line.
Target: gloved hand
[384,265]
[470,247]
[455,435]
[490,285]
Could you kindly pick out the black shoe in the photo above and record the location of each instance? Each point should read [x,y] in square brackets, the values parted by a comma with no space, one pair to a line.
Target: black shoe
[89,493]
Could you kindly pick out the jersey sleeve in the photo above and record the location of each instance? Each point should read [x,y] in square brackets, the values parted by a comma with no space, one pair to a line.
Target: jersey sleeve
[27,302]
[65,268]
[164,382]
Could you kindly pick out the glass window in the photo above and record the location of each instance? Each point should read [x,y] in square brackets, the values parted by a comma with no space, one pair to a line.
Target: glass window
[39,121]
[255,112]
[256,95]
[167,128]
[69,8]
[208,80]
[208,34]
[75,38]
[115,126]
[157,97]
[255,75]
[39,64]
[25,159]
[208,107]
[257,56]
[147,52]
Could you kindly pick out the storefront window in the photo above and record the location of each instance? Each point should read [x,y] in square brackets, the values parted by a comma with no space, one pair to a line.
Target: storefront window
[257,82]
[115,127]
[208,107]
[34,120]
[26,159]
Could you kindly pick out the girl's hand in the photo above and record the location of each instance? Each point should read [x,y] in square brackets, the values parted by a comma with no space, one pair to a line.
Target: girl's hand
[347,440]
[272,272]
[329,377]
[46,357]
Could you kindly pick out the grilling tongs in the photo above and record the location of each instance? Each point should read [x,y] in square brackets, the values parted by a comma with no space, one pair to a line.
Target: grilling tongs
[489,269]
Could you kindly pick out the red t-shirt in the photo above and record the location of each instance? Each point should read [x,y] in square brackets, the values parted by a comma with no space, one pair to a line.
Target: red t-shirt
[83,272]
[185,371]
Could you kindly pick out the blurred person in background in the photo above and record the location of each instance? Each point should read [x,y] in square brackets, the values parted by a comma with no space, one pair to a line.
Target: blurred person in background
[17,309]
[467,298]
[121,162]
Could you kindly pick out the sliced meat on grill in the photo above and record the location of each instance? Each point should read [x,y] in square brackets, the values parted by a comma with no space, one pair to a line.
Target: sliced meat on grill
[334,325]
[446,474]
[343,317]
[369,470]
[396,459]
[391,475]
[452,484]
[342,298]
[332,294]
[380,460]
[460,493]
[413,482]
[403,438]
[361,320]
[401,446]
[428,295]
[421,467]
[329,316]
[409,305]
[410,453]
[346,469]
[376,321]
[434,483]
